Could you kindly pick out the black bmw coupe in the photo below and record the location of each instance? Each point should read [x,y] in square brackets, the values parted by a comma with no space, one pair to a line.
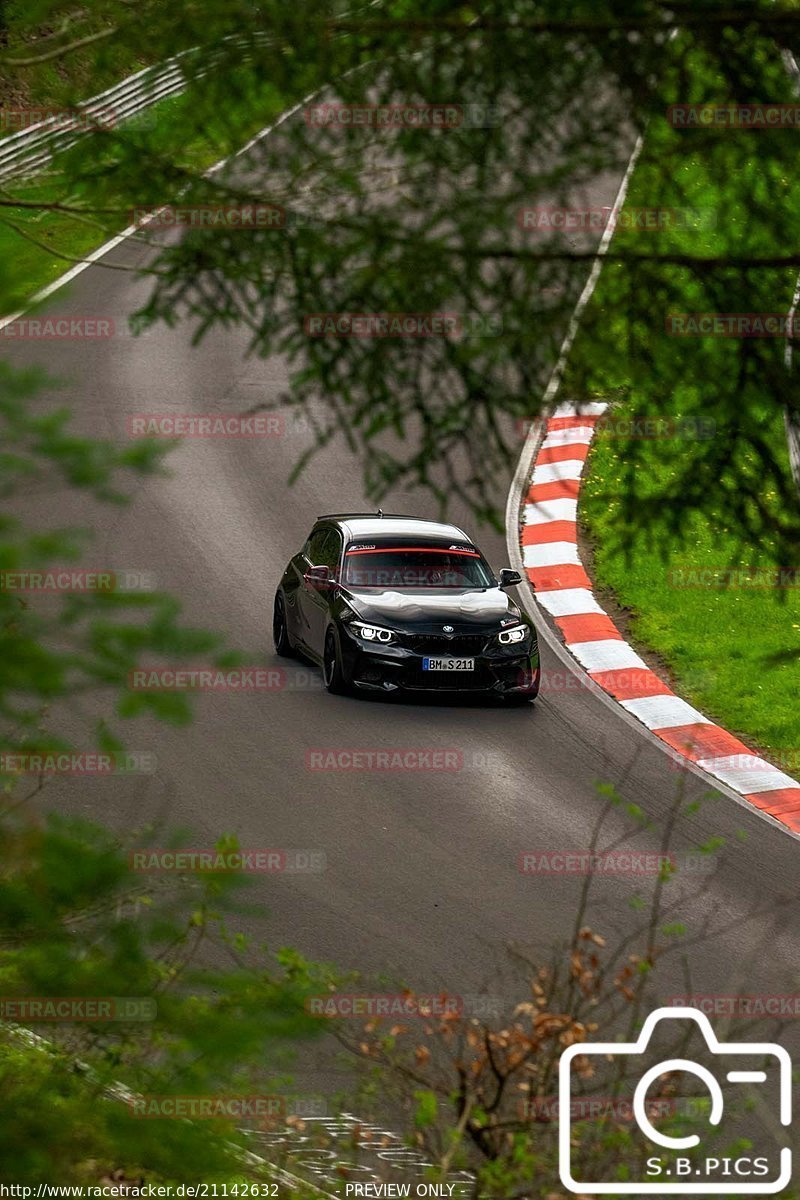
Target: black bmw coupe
[389,603]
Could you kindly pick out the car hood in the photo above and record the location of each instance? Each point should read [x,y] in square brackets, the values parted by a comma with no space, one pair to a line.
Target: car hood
[425,608]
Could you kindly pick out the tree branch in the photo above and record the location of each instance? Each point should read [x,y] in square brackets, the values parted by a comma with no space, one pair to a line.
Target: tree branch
[60,51]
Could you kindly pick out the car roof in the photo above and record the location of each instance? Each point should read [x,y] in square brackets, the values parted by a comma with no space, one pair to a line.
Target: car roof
[356,527]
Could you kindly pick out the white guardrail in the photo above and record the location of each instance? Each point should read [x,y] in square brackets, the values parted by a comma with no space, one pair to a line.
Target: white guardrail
[30,150]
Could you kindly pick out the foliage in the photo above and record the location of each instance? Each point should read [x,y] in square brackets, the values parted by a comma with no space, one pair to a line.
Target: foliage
[213,1014]
[217,1013]
[410,220]
[481,1092]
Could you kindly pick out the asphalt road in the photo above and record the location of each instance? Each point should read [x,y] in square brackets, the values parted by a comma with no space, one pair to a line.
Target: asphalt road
[422,881]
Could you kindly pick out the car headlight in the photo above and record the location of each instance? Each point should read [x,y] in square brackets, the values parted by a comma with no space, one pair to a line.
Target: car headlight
[372,633]
[517,633]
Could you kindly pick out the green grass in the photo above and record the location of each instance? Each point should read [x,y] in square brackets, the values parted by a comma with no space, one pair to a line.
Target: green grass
[734,652]
[39,245]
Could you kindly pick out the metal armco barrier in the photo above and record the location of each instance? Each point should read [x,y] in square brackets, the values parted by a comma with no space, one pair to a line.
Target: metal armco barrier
[30,150]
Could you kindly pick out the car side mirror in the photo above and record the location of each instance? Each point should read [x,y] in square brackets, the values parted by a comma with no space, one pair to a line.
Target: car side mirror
[319,578]
[509,577]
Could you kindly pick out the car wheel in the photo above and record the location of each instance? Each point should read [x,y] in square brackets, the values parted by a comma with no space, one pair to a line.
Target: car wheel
[280,632]
[335,681]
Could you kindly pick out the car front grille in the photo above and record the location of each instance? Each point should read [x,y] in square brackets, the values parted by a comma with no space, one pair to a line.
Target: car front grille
[458,645]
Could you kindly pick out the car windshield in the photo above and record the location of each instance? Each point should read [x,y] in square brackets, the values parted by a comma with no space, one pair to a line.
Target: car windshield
[415,567]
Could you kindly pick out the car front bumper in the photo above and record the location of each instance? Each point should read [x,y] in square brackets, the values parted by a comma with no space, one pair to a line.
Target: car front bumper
[391,668]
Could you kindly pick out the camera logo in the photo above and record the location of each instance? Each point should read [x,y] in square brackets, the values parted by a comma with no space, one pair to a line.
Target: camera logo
[683,1165]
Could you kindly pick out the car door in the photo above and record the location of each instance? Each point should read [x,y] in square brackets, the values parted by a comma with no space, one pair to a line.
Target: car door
[323,549]
[306,600]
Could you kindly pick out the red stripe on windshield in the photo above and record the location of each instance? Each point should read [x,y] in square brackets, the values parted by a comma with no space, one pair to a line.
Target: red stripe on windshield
[422,549]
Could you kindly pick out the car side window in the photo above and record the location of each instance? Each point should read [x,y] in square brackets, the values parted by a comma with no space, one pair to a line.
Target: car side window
[332,550]
[315,547]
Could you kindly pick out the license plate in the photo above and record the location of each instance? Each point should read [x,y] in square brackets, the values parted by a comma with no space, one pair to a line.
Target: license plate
[448,664]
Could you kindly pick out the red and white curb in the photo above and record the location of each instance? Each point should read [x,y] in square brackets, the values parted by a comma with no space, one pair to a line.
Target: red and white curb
[549,547]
